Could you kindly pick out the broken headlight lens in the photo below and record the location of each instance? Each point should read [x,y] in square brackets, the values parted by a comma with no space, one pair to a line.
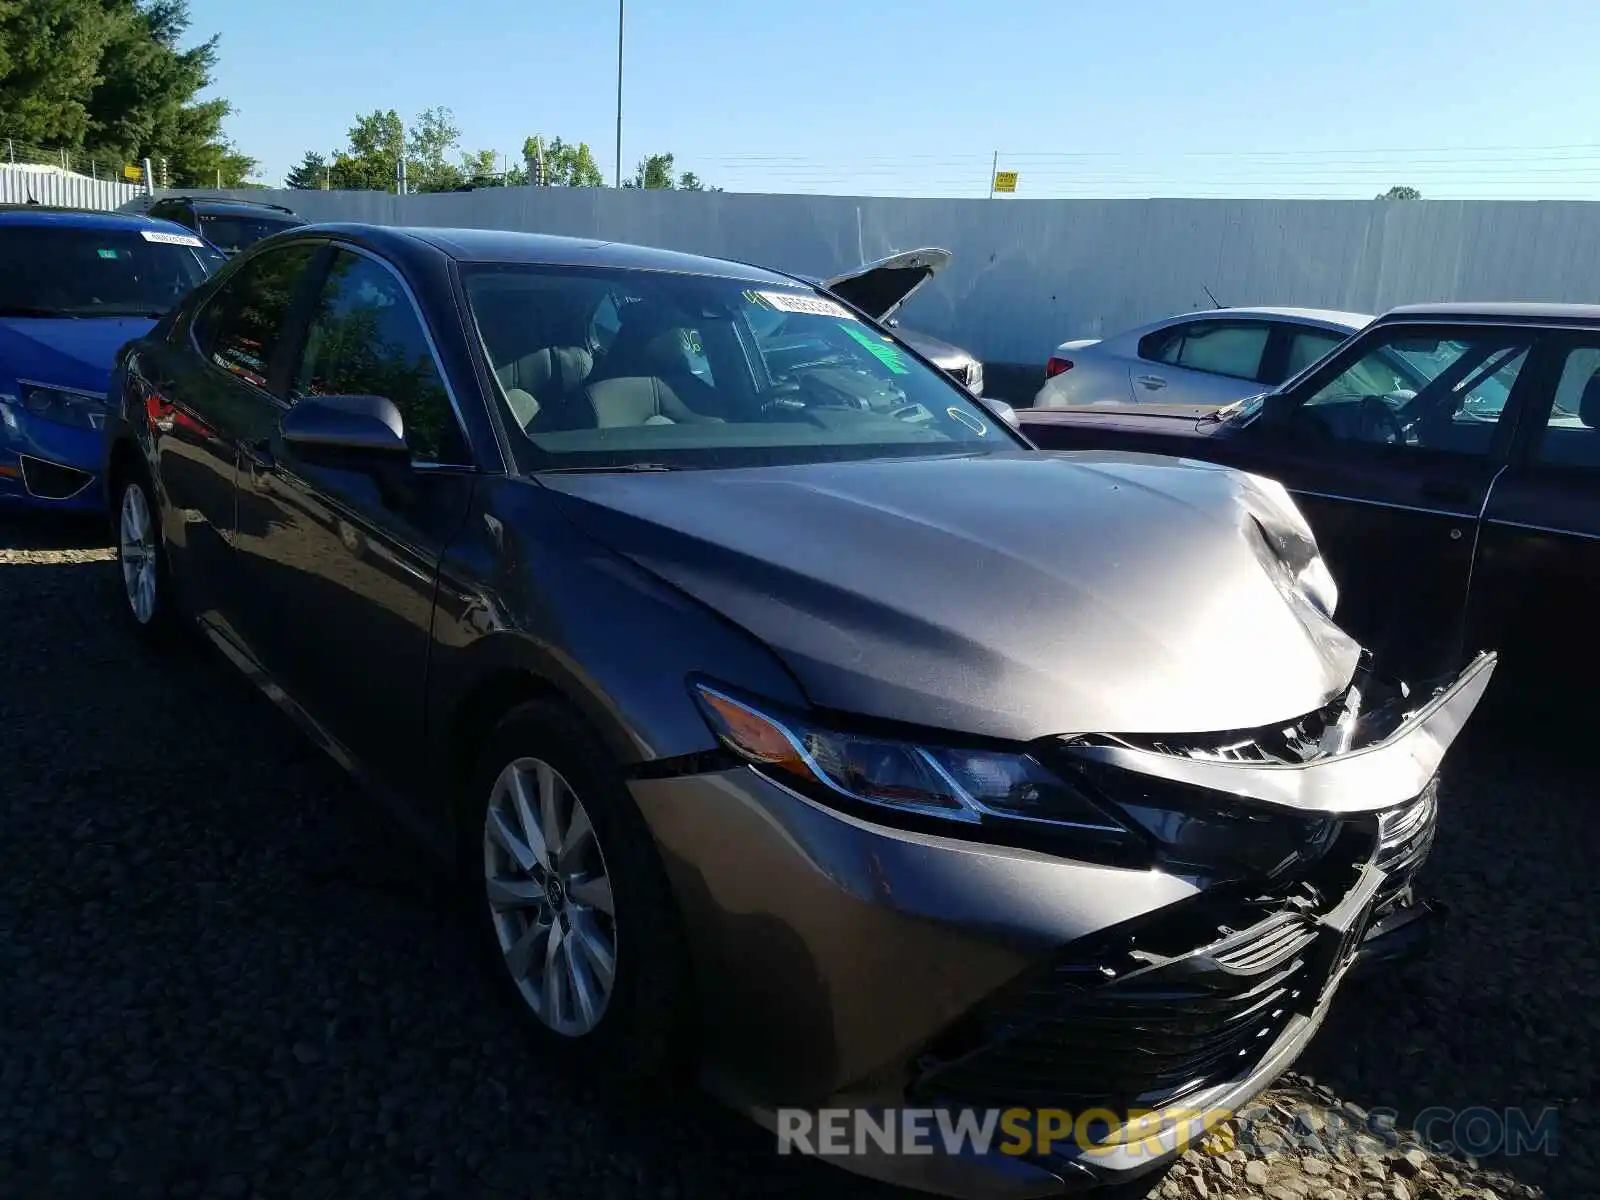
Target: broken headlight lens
[830,765]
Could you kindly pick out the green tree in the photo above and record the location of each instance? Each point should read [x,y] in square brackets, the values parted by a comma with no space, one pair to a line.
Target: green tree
[1400,192]
[433,138]
[566,164]
[376,142]
[311,173]
[109,79]
[653,171]
[482,169]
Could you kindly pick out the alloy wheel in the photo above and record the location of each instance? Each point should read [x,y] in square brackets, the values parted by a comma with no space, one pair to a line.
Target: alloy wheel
[549,896]
[136,550]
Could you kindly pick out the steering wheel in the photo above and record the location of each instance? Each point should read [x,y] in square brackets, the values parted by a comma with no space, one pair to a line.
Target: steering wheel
[1377,417]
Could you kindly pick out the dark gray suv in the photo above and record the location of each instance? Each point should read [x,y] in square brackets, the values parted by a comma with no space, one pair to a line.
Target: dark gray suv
[787,717]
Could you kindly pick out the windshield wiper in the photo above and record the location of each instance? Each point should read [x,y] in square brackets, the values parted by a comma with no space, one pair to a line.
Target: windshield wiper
[621,468]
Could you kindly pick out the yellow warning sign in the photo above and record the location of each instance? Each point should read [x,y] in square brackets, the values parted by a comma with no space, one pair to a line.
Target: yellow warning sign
[1005,181]
[134,173]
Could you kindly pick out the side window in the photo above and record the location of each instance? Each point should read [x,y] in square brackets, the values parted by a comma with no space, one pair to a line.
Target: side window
[366,338]
[1414,387]
[1307,346]
[1232,348]
[1571,436]
[241,326]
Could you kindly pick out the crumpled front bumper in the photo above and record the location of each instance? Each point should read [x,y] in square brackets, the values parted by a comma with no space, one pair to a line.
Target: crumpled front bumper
[844,964]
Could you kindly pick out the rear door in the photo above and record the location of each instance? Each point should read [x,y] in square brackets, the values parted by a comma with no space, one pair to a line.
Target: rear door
[203,403]
[1390,447]
[1537,579]
[1209,360]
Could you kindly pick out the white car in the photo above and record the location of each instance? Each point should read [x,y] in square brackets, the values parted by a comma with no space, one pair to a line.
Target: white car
[1213,357]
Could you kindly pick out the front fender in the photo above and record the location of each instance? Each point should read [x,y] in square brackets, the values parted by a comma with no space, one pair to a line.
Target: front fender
[522,592]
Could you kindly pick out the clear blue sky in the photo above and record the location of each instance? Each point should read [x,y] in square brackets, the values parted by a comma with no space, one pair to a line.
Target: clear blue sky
[1134,97]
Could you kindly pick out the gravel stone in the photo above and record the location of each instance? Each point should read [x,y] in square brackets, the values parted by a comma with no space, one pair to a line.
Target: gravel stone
[228,973]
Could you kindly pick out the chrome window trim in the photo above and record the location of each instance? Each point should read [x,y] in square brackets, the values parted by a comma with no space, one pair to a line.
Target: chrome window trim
[1532,528]
[1413,508]
[433,351]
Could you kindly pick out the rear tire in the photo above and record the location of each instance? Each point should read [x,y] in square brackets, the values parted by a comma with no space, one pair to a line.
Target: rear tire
[147,603]
[553,850]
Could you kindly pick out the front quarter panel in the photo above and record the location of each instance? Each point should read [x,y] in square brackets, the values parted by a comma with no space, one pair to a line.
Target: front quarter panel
[521,591]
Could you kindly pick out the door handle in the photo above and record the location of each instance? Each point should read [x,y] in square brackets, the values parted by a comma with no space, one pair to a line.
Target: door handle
[1153,382]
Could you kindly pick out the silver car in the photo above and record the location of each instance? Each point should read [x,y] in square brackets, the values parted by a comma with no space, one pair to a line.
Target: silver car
[1213,357]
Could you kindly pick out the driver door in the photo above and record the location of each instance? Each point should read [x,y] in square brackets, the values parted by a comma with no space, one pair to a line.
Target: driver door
[1390,450]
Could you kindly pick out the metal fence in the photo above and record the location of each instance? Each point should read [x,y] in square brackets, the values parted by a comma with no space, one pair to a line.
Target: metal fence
[65,189]
[1028,274]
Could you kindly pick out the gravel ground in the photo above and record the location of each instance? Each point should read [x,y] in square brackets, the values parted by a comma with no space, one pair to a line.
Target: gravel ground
[223,972]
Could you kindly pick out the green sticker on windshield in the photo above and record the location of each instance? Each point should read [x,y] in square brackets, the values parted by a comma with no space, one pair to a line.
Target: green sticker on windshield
[108,253]
[881,348]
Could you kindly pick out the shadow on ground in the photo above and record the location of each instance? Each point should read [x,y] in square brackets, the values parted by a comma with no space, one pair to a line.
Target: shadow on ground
[227,974]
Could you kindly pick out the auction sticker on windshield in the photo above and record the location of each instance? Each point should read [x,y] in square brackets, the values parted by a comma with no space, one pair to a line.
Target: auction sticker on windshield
[171,239]
[794,302]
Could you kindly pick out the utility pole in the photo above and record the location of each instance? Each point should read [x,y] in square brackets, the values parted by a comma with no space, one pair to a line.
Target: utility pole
[994,167]
[620,4]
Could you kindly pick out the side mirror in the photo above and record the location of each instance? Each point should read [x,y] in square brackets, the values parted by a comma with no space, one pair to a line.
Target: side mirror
[357,430]
[1003,411]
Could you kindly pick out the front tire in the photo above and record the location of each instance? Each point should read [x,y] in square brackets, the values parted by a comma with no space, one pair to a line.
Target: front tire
[147,602]
[564,881]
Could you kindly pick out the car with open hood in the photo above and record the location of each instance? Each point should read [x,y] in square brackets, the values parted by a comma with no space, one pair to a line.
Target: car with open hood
[881,288]
[74,287]
[789,720]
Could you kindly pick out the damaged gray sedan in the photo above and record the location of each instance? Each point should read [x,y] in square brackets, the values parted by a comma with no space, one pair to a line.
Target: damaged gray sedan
[788,718]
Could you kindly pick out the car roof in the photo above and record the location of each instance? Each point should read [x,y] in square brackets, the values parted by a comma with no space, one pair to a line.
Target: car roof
[81,218]
[504,246]
[1310,316]
[228,202]
[1586,314]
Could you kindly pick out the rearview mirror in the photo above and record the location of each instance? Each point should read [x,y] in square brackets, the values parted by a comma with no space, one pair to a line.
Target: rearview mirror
[347,427]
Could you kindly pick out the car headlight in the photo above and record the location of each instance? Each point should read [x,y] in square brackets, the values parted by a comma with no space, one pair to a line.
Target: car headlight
[65,406]
[839,768]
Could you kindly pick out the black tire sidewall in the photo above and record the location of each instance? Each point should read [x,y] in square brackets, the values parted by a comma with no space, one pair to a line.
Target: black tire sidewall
[644,1034]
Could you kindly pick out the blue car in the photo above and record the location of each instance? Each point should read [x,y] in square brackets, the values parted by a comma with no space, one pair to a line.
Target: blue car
[75,287]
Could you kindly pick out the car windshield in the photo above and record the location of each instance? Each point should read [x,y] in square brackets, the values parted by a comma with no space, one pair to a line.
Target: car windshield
[232,232]
[80,271]
[610,369]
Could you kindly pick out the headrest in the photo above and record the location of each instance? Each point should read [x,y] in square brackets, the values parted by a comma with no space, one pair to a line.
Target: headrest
[554,370]
[1589,406]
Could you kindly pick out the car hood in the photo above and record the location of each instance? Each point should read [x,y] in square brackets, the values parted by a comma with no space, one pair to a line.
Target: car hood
[941,354]
[71,352]
[1011,595]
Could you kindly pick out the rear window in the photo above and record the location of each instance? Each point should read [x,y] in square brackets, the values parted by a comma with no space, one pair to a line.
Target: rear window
[233,232]
[76,271]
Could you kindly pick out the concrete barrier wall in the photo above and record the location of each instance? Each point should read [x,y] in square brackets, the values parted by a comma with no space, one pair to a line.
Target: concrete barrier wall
[1028,274]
